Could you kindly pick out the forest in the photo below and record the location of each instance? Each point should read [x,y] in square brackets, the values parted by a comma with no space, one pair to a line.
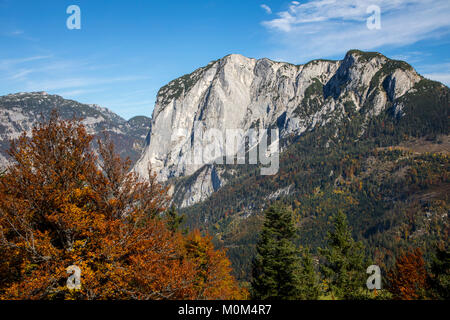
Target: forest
[389,175]
[64,205]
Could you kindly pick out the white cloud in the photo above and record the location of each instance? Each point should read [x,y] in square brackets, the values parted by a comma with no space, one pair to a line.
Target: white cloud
[77,92]
[46,73]
[21,74]
[411,56]
[436,68]
[327,10]
[81,82]
[323,28]
[17,32]
[438,72]
[441,77]
[266,8]
[86,79]
[10,63]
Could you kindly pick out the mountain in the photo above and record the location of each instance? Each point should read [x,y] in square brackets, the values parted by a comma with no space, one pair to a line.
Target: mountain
[236,92]
[21,111]
[366,135]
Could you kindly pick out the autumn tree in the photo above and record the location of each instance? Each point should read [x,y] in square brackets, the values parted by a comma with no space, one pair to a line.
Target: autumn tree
[407,280]
[213,278]
[61,205]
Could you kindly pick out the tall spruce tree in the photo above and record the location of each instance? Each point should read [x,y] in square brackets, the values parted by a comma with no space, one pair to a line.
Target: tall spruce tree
[277,262]
[439,281]
[345,265]
[174,220]
[308,278]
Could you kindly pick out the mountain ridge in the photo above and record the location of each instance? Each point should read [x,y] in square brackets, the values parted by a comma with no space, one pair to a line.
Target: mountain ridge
[241,92]
[19,112]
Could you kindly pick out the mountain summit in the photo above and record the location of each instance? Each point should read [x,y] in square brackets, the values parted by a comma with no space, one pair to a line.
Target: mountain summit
[237,92]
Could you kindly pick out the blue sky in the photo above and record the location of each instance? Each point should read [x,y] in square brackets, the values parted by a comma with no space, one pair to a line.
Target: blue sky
[126,50]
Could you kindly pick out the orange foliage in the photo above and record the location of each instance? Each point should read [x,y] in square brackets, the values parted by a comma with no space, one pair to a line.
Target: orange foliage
[58,208]
[213,279]
[408,278]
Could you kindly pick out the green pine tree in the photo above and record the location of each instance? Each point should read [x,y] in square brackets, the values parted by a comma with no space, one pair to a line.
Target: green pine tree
[440,274]
[277,263]
[309,280]
[345,265]
[174,220]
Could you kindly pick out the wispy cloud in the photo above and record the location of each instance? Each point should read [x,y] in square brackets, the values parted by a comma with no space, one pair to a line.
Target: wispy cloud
[80,82]
[441,77]
[77,92]
[86,79]
[411,56]
[47,73]
[323,28]
[17,33]
[439,72]
[21,74]
[11,63]
[266,8]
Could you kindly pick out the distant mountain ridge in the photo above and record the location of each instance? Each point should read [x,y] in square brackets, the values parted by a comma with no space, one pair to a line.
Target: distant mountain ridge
[21,111]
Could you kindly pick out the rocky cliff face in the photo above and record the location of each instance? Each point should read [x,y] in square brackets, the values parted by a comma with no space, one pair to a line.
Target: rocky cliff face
[236,92]
[20,112]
